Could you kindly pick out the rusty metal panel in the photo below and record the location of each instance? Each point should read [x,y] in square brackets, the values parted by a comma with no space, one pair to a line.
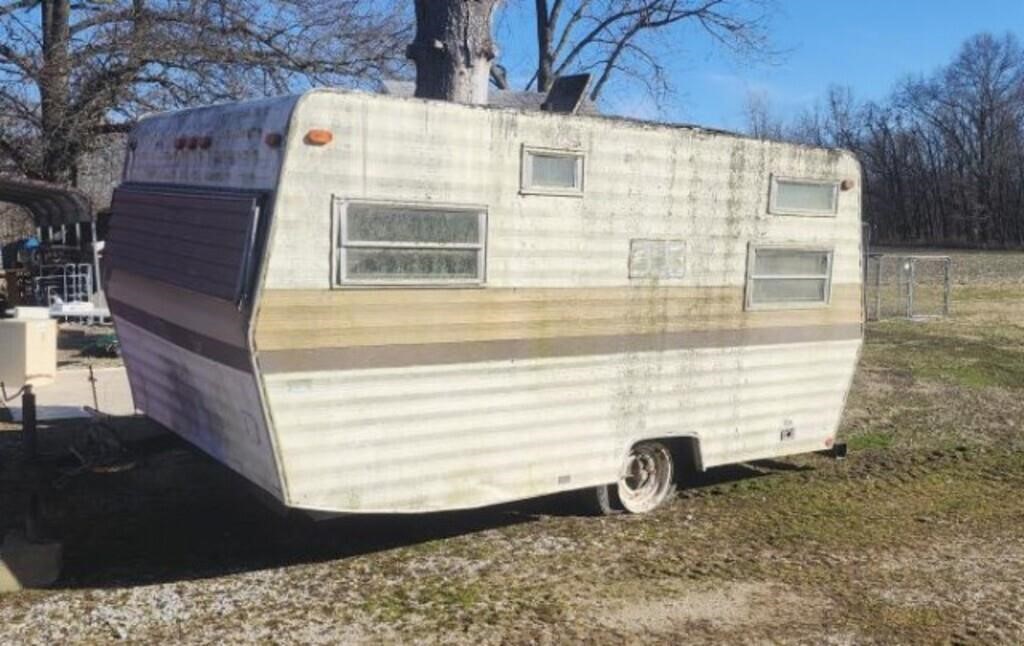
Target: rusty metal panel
[201,241]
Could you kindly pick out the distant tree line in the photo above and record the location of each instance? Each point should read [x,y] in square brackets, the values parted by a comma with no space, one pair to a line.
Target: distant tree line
[943,156]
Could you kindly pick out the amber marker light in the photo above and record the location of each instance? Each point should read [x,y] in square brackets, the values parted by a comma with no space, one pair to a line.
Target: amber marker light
[318,137]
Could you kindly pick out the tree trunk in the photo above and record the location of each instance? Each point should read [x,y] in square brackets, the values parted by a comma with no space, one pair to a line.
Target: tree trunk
[545,54]
[59,151]
[453,49]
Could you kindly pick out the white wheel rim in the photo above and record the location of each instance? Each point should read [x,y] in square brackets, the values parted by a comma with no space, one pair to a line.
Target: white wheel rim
[646,479]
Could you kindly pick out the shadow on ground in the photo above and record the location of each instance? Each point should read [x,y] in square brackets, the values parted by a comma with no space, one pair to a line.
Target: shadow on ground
[178,515]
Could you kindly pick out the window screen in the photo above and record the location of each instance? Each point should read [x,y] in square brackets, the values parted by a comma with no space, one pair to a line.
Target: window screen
[789,277]
[546,171]
[410,244]
[803,197]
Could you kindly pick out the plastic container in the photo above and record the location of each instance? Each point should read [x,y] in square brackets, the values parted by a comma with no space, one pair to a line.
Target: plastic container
[28,349]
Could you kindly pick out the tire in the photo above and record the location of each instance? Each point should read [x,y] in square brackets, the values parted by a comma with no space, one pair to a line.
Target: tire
[602,501]
[648,479]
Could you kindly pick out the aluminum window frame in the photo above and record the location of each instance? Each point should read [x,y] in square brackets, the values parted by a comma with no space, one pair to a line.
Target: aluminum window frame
[751,277]
[774,209]
[526,186]
[340,243]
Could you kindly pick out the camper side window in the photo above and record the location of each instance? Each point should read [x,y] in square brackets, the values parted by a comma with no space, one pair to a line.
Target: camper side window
[552,172]
[417,245]
[803,197]
[779,278]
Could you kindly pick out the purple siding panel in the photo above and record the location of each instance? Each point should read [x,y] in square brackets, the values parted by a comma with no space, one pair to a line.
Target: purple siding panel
[197,240]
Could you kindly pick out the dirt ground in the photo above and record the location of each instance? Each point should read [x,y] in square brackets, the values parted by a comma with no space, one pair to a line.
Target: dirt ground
[918,537]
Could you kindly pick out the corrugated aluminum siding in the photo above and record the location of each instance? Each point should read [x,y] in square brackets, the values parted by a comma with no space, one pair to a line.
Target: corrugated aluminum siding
[211,405]
[442,437]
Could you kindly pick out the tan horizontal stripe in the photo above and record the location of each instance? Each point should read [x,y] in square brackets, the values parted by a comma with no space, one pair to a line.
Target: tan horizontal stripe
[289,320]
[392,356]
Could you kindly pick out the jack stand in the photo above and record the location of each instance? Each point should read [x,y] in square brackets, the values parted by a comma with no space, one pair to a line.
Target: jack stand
[27,559]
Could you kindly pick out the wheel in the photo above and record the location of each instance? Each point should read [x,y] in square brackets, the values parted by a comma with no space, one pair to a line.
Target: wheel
[602,501]
[648,479]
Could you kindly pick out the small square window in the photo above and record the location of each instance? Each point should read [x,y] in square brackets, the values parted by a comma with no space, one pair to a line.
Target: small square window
[657,259]
[552,172]
[403,244]
[790,196]
[788,277]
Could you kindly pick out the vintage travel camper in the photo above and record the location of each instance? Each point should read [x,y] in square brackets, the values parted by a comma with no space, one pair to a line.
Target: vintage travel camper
[365,303]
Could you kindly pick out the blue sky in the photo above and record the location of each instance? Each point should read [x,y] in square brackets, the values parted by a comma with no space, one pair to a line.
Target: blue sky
[865,44]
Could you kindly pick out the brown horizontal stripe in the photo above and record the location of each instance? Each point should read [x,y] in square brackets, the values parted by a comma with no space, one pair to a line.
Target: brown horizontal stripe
[205,315]
[393,356]
[311,319]
[201,344]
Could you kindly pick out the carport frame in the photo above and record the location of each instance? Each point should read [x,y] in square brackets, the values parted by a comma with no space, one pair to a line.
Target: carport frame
[53,205]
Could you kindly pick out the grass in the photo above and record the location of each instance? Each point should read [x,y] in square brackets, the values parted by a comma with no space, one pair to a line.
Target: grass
[943,383]
[870,440]
[963,356]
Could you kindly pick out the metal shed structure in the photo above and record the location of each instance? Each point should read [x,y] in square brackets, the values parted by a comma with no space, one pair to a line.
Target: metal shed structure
[49,204]
[52,205]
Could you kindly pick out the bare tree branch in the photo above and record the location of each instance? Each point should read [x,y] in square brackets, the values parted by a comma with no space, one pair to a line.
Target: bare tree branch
[89,66]
[599,35]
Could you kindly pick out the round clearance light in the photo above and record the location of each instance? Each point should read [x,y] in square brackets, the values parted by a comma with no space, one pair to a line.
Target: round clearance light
[273,139]
[318,137]
[847,184]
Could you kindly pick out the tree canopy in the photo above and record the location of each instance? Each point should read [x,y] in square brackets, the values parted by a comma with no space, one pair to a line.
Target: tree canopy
[71,71]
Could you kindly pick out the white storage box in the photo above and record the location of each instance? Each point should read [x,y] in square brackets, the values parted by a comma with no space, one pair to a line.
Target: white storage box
[28,351]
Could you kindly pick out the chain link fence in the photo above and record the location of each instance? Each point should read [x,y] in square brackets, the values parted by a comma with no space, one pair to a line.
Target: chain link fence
[907,286]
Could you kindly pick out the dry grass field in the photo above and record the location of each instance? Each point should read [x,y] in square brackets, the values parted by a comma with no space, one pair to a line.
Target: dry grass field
[918,537]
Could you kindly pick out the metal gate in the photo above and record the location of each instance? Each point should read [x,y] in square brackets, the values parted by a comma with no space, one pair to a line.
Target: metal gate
[914,287]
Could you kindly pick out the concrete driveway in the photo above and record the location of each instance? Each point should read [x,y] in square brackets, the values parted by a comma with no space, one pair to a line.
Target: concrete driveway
[72,391]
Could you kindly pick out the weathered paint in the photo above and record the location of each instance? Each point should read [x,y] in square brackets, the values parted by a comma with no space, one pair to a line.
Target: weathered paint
[541,379]
[297,319]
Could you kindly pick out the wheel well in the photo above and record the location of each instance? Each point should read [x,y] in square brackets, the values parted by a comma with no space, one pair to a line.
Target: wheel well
[685,453]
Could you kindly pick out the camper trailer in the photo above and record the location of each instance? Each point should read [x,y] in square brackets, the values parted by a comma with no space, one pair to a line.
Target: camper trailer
[365,303]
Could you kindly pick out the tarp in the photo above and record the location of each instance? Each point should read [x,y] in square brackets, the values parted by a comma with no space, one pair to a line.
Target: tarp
[49,204]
